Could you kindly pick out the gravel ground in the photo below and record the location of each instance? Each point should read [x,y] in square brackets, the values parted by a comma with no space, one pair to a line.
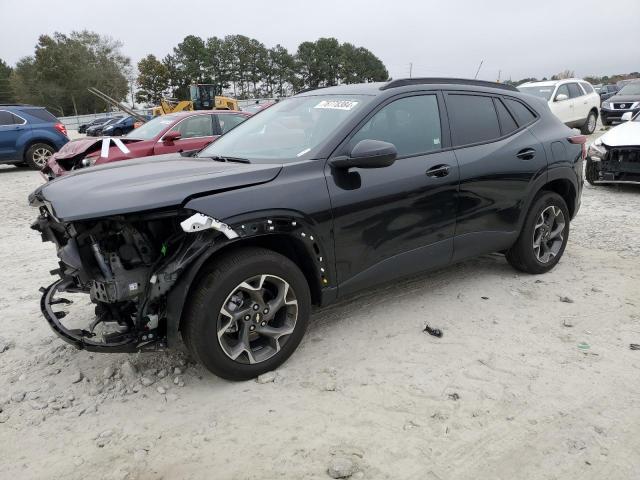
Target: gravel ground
[506,393]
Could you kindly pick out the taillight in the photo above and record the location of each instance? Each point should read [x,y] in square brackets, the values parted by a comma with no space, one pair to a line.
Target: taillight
[61,128]
[582,140]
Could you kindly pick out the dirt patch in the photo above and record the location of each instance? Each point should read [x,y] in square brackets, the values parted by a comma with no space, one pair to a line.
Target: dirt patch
[521,385]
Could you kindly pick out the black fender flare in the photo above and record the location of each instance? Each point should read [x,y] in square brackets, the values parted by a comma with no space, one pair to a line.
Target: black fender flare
[554,173]
[252,229]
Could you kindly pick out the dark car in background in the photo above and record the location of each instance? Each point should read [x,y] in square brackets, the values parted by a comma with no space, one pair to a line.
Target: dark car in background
[625,100]
[121,127]
[29,135]
[98,121]
[607,91]
[96,130]
[176,132]
[327,193]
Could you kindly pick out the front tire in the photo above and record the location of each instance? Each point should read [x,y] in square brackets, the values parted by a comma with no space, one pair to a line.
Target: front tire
[591,172]
[590,124]
[247,313]
[117,132]
[543,237]
[37,155]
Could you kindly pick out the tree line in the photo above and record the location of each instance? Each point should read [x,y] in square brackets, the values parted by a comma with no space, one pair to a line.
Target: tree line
[63,66]
[244,68]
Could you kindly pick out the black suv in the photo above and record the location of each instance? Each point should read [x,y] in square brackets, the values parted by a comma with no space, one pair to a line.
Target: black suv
[625,100]
[329,192]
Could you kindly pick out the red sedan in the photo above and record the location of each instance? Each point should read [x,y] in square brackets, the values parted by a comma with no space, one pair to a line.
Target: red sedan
[176,132]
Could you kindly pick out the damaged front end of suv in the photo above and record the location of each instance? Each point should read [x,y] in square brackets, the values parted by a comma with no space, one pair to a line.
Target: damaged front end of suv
[125,236]
[126,264]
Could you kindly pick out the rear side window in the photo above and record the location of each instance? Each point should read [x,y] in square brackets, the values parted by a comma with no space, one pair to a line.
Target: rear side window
[473,119]
[412,124]
[507,123]
[7,118]
[41,114]
[195,127]
[523,114]
[574,90]
[228,121]
[586,87]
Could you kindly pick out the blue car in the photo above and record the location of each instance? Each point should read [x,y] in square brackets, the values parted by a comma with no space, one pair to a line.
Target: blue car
[29,135]
[121,127]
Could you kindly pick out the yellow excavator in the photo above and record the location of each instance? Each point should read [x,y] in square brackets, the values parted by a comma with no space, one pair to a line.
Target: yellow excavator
[202,97]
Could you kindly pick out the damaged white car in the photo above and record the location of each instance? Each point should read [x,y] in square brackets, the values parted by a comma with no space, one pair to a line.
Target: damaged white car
[615,156]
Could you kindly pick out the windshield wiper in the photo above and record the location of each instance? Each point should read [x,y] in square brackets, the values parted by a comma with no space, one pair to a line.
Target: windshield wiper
[220,158]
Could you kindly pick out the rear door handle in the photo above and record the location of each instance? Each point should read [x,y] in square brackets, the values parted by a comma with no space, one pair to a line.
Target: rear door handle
[526,154]
[438,171]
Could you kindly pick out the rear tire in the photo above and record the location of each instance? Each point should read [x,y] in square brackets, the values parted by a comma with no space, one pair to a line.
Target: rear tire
[225,331]
[591,172]
[37,155]
[590,123]
[547,224]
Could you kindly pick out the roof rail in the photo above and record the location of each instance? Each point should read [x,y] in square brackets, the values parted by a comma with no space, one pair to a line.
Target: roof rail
[452,81]
[314,88]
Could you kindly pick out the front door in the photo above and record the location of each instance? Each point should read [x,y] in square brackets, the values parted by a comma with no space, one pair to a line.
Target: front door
[400,219]
[196,132]
[564,108]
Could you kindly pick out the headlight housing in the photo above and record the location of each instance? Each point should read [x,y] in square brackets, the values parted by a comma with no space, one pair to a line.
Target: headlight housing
[606,104]
[597,151]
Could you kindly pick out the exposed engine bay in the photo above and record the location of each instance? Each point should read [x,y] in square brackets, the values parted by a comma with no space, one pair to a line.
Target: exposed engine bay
[126,264]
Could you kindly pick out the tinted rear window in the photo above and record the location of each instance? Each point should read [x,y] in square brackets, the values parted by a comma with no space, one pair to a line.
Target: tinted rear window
[507,123]
[41,114]
[473,119]
[6,118]
[523,114]
[587,88]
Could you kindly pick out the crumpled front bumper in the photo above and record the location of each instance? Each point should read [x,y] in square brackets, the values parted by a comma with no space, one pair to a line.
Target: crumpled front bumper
[84,339]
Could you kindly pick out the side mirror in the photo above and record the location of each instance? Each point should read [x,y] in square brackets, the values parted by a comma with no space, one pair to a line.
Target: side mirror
[368,154]
[171,136]
[561,97]
[627,116]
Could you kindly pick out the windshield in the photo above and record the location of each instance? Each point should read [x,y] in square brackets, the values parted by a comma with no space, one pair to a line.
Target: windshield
[630,89]
[539,91]
[290,130]
[152,128]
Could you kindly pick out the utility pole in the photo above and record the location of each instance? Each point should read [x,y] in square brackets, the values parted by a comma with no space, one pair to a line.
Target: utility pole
[410,69]
[479,67]
[499,75]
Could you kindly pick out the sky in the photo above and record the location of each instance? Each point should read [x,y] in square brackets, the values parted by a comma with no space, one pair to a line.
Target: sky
[514,39]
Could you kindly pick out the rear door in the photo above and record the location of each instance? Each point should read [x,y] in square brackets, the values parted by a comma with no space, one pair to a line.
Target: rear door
[10,129]
[197,131]
[498,157]
[399,219]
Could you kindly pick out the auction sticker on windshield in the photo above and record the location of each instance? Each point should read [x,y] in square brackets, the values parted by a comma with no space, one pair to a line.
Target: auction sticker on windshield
[337,104]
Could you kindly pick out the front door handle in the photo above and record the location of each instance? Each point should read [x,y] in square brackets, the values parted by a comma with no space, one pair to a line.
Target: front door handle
[526,154]
[438,171]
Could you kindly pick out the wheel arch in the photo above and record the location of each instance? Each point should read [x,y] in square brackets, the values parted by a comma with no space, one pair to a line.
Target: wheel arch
[290,238]
[32,141]
[566,189]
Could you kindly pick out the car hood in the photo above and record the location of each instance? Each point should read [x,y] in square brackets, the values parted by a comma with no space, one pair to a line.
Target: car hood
[144,184]
[624,135]
[624,98]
